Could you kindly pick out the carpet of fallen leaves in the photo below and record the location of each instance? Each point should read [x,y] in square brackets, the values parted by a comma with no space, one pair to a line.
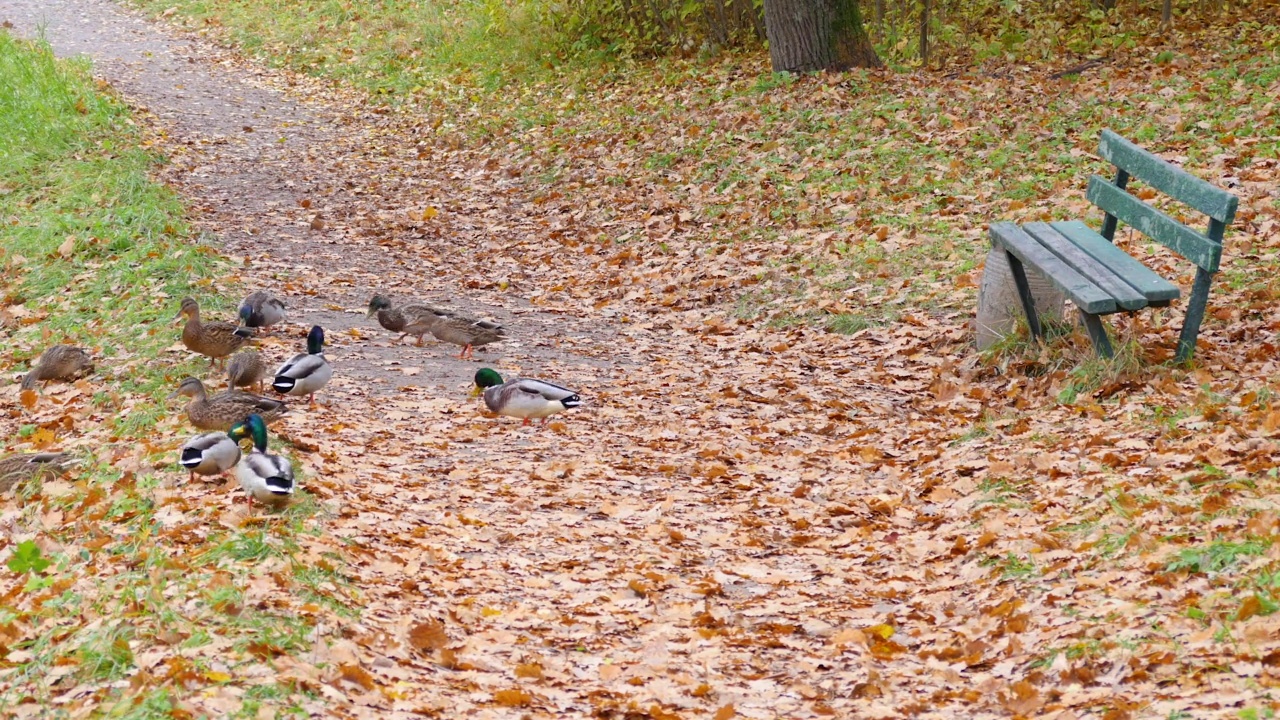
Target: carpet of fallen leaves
[747,519]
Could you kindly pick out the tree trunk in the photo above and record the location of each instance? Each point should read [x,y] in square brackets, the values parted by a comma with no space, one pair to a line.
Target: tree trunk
[809,35]
[998,305]
[1166,15]
[924,33]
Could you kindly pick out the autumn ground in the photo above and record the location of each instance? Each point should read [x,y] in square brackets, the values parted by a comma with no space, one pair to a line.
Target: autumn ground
[795,491]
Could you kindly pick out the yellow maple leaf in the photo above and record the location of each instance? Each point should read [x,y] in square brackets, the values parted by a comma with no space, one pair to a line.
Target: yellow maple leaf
[884,631]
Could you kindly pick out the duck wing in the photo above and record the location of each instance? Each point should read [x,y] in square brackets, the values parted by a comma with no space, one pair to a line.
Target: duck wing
[303,374]
[545,390]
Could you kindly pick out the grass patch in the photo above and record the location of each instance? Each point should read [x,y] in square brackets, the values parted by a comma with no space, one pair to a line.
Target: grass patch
[97,254]
[390,48]
[1003,492]
[1067,357]
[850,323]
[1216,557]
[1012,567]
[94,252]
[106,655]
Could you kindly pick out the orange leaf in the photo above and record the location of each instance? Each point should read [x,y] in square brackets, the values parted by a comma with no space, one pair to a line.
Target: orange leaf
[513,697]
[429,635]
[725,713]
[1026,698]
[358,675]
[449,659]
[529,670]
[1250,607]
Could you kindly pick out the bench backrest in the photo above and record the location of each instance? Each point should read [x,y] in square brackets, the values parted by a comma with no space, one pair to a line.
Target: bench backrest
[1203,249]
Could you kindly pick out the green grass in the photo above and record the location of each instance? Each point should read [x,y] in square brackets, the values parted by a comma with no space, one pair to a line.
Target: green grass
[105,654]
[850,323]
[1215,557]
[1012,567]
[1066,350]
[97,254]
[76,178]
[392,48]
[1003,492]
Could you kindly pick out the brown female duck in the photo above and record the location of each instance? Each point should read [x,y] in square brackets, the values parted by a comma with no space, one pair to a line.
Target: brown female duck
[221,411]
[407,319]
[19,467]
[60,362]
[467,332]
[216,339]
[246,368]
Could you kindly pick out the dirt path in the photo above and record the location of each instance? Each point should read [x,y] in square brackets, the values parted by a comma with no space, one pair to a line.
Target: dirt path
[724,524]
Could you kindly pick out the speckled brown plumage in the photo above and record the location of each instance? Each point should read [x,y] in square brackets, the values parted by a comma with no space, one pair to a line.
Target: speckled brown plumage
[225,409]
[60,362]
[23,466]
[214,340]
[416,320]
[246,368]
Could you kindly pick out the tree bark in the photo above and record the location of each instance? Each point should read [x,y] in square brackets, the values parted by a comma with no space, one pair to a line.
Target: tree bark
[924,33]
[810,35]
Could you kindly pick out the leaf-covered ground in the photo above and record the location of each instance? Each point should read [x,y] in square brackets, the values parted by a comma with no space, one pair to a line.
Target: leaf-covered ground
[795,490]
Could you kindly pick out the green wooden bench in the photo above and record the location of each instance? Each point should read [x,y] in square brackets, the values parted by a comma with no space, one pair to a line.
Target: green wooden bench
[1100,278]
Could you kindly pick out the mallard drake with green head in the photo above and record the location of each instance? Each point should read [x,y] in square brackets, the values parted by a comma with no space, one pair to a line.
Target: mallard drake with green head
[20,467]
[467,332]
[261,309]
[523,397]
[221,411]
[407,320]
[265,477]
[305,373]
[60,362]
[209,454]
[246,368]
[216,339]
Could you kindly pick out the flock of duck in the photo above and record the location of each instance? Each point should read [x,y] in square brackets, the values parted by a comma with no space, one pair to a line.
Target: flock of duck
[235,415]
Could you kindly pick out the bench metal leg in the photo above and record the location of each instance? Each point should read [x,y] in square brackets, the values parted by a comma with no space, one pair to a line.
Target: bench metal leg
[1196,306]
[1024,293]
[1097,333]
[1109,220]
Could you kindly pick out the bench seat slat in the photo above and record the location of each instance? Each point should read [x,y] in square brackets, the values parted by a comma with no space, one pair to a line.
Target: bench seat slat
[1154,224]
[1126,296]
[1155,288]
[1168,178]
[1083,293]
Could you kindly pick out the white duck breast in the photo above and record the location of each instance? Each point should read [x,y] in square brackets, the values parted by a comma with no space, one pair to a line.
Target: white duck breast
[268,478]
[209,454]
[305,374]
[528,398]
